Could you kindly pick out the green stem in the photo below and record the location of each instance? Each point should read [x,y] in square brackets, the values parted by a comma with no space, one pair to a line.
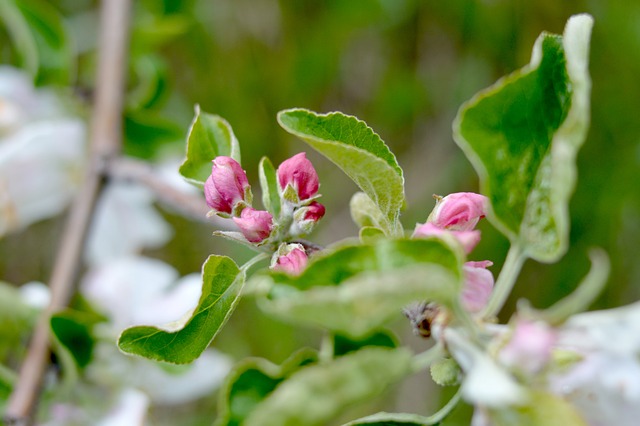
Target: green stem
[506,280]
[253,261]
[426,358]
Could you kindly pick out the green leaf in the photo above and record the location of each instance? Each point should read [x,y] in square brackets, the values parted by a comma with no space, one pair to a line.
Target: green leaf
[7,380]
[73,332]
[269,185]
[369,234]
[364,211]
[249,383]
[522,135]
[183,341]
[359,152]
[40,36]
[356,289]
[316,394]
[543,409]
[343,345]
[209,137]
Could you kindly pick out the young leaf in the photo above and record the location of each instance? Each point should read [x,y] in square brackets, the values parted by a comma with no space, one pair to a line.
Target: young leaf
[209,137]
[364,211]
[269,185]
[343,345]
[358,151]
[181,342]
[251,381]
[316,394]
[355,290]
[522,135]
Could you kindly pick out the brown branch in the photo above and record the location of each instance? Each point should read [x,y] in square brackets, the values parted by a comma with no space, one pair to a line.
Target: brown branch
[105,142]
[187,204]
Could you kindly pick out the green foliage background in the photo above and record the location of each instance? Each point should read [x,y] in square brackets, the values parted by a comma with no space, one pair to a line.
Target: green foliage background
[404,67]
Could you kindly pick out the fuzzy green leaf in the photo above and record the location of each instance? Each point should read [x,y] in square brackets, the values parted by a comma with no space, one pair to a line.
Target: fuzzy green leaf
[41,38]
[358,151]
[356,289]
[251,381]
[182,341]
[316,394]
[209,137]
[73,331]
[522,135]
[343,345]
[269,186]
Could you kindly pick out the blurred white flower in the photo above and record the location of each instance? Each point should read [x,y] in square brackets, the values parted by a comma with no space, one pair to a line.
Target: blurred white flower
[130,410]
[125,222]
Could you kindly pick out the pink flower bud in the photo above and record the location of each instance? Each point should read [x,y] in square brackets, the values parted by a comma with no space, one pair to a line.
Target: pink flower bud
[298,172]
[314,211]
[478,285]
[530,346]
[305,218]
[293,262]
[468,239]
[460,211]
[255,225]
[227,185]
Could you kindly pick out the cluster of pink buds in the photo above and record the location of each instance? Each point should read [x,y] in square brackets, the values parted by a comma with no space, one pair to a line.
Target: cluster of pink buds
[298,184]
[457,215]
[228,193]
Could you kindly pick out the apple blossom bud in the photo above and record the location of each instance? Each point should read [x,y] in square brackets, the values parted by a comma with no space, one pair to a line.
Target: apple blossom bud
[530,346]
[460,211]
[478,285]
[291,259]
[305,218]
[227,186]
[298,172]
[468,239]
[254,224]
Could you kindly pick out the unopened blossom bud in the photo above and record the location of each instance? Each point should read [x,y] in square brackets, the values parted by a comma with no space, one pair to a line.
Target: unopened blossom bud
[460,211]
[291,259]
[305,218]
[468,239]
[227,186]
[254,224]
[298,172]
[478,285]
[530,346]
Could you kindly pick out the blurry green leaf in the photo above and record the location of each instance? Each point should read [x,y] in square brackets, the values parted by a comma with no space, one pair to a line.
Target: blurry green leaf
[151,85]
[269,185]
[183,341]
[369,234]
[7,379]
[356,289]
[522,135]
[543,409]
[359,152]
[316,394]
[40,36]
[251,381]
[343,345]
[146,131]
[209,136]
[73,331]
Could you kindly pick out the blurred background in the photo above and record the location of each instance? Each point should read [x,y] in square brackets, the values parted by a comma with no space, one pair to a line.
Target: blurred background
[403,66]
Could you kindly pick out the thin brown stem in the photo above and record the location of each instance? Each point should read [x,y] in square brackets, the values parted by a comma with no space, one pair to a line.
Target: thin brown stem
[106,140]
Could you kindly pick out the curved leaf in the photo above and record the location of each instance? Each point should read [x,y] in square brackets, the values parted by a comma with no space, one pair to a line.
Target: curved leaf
[317,393]
[358,151]
[251,381]
[183,341]
[522,135]
[209,136]
[357,289]
[73,331]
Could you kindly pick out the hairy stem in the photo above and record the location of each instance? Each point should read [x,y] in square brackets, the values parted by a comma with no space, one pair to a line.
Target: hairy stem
[508,275]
